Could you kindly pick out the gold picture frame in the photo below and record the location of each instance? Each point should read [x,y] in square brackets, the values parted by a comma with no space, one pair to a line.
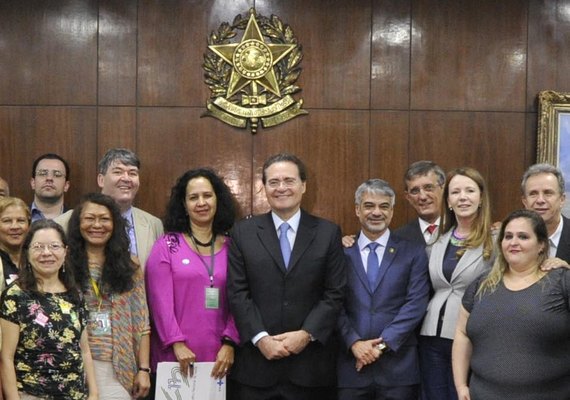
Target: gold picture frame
[553,143]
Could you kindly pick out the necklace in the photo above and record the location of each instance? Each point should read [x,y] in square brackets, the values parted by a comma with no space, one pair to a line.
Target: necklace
[199,243]
[456,240]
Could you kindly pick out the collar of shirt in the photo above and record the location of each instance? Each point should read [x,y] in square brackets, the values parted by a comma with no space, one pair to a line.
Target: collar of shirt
[293,221]
[35,212]
[363,241]
[128,215]
[555,238]
[424,224]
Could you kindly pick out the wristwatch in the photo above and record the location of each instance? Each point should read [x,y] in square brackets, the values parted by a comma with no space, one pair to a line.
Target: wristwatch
[382,347]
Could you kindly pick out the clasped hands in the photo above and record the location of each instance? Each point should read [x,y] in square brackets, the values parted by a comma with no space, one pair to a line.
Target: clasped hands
[186,359]
[284,344]
[366,352]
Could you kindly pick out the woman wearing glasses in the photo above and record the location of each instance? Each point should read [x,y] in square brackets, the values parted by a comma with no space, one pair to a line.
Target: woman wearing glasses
[462,252]
[45,353]
[114,293]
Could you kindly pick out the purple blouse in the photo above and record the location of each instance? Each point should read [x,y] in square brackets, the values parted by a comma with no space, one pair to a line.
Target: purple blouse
[176,281]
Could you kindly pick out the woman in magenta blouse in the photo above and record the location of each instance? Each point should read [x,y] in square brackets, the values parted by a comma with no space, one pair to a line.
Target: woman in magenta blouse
[186,276]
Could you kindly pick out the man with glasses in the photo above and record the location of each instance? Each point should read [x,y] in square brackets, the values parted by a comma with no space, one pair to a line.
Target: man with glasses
[424,182]
[286,280]
[50,181]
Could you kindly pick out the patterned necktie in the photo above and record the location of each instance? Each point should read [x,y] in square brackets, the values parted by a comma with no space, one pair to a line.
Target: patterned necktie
[284,242]
[431,229]
[372,264]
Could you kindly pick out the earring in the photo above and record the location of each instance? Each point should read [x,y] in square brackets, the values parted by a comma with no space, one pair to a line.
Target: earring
[63,269]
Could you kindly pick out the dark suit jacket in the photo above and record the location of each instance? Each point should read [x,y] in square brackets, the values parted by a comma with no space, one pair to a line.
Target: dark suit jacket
[391,309]
[265,296]
[563,250]
[412,232]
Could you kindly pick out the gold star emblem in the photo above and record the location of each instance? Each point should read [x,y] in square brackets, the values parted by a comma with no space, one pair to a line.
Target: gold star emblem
[252,60]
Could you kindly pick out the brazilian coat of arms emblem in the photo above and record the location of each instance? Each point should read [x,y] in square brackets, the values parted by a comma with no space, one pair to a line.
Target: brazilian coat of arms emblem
[254,79]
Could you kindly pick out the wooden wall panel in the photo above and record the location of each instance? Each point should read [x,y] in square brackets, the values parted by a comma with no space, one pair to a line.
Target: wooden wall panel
[28,132]
[117,57]
[390,64]
[116,127]
[389,143]
[493,143]
[335,35]
[174,140]
[386,82]
[548,49]
[172,40]
[334,147]
[468,55]
[48,52]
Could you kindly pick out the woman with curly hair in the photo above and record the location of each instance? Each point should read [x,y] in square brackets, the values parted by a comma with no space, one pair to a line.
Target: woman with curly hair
[113,285]
[186,276]
[45,352]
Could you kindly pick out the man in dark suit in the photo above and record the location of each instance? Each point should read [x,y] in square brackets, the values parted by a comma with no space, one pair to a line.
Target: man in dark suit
[387,296]
[543,191]
[285,288]
[424,182]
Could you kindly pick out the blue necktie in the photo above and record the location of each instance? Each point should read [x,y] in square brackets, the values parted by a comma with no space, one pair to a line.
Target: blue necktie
[284,242]
[372,264]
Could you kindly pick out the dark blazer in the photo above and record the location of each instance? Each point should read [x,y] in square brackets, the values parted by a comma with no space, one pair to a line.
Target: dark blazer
[563,250]
[412,232]
[265,296]
[392,309]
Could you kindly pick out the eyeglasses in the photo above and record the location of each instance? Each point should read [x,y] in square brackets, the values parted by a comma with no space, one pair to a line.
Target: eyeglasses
[44,173]
[287,182]
[53,247]
[429,188]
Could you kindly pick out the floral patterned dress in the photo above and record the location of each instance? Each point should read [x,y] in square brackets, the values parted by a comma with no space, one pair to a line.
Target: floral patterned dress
[48,359]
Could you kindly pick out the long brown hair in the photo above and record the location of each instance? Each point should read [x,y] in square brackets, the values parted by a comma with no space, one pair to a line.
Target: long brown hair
[481,227]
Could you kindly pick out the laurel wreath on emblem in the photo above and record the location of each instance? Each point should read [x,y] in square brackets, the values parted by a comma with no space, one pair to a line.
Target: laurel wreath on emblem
[218,72]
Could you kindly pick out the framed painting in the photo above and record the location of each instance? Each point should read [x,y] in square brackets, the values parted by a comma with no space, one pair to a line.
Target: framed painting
[553,144]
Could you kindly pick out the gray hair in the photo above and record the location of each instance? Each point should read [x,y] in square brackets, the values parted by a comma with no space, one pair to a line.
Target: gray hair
[375,186]
[543,169]
[422,168]
[125,156]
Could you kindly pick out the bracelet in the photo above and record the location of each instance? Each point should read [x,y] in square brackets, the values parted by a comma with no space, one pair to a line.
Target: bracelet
[144,369]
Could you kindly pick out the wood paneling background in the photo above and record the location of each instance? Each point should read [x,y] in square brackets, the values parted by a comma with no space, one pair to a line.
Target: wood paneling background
[386,83]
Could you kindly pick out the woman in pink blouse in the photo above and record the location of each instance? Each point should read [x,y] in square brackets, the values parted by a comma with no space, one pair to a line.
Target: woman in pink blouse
[186,276]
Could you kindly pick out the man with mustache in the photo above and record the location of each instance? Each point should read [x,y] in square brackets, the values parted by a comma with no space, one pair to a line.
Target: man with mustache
[50,181]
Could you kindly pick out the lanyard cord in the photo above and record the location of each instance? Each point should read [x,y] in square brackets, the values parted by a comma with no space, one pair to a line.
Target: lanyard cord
[209,269]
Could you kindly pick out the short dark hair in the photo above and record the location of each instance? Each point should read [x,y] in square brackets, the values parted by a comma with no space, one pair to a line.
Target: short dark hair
[125,156]
[117,275]
[281,157]
[176,219]
[51,156]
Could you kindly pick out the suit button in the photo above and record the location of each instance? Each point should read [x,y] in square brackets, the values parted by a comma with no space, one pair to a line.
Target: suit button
[285,303]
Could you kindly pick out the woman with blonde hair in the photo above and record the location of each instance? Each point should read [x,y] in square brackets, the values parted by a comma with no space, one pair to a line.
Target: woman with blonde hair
[513,331]
[462,252]
[14,224]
